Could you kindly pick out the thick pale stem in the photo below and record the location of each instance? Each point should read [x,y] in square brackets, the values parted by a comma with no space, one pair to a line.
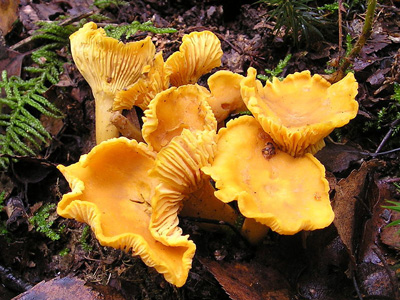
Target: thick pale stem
[104,128]
[253,231]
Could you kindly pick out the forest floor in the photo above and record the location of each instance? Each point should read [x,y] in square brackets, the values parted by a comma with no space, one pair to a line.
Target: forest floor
[356,257]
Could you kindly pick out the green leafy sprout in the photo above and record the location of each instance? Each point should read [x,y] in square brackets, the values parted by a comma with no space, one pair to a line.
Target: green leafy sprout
[43,222]
[277,70]
[395,207]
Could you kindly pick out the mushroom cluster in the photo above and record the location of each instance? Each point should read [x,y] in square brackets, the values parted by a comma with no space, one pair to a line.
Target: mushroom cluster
[130,191]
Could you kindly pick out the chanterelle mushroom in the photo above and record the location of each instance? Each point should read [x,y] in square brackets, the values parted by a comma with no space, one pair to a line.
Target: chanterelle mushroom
[287,194]
[175,109]
[299,111]
[108,66]
[199,53]
[111,191]
[225,88]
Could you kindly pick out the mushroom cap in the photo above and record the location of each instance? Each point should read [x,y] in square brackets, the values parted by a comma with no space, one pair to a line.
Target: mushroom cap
[146,88]
[299,111]
[175,109]
[111,191]
[178,167]
[107,64]
[198,54]
[225,88]
[287,194]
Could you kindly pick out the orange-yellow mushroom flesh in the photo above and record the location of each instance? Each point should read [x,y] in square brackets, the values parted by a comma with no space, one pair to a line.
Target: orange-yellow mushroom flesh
[285,193]
[176,109]
[111,192]
[178,168]
[199,53]
[225,88]
[146,88]
[299,111]
[108,66]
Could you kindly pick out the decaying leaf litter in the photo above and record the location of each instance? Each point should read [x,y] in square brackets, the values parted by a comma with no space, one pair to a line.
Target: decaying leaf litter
[353,258]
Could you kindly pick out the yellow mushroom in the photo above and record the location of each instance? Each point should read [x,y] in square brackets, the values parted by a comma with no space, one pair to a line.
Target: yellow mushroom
[199,53]
[285,193]
[146,88]
[175,109]
[299,111]
[111,191]
[108,66]
[184,185]
[225,88]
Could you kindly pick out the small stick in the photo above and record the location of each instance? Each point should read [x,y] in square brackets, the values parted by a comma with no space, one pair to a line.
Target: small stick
[365,34]
[387,136]
[12,282]
[357,288]
[340,43]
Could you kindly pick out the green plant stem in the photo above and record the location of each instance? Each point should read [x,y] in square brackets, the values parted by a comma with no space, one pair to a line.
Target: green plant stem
[365,34]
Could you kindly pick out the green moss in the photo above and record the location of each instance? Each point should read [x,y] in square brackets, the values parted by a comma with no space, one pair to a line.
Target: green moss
[84,238]
[43,222]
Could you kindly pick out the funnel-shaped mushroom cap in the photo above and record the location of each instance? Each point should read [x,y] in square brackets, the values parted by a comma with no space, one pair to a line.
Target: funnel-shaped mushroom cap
[108,66]
[111,191]
[301,110]
[199,53]
[225,88]
[175,109]
[178,168]
[285,193]
[146,88]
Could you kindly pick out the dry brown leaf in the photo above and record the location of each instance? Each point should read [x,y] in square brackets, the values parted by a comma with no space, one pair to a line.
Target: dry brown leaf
[8,15]
[10,61]
[68,288]
[345,200]
[337,157]
[249,280]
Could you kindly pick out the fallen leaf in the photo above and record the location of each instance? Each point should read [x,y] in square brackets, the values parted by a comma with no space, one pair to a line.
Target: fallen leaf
[10,61]
[8,15]
[249,280]
[344,204]
[374,198]
[69,288]
[337,157]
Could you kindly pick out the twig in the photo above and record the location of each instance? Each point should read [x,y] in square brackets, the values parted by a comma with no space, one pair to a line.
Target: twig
[388,134]
[12,282]
[340,25]
[391,180]
[365,34]
[357,288]
[63,23]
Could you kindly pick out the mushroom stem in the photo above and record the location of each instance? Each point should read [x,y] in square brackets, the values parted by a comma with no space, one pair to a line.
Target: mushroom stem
[104,129]
[203,204]
[126,127]
[254,231]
